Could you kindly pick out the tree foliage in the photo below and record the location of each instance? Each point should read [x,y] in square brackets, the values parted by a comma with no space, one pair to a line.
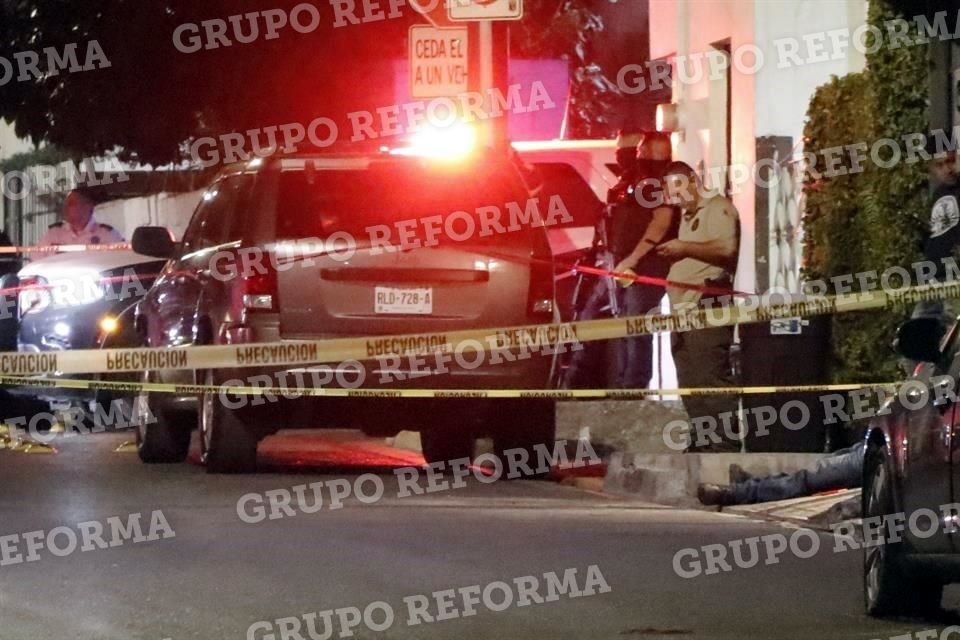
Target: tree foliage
[153,97]
[572,30]
[48,155]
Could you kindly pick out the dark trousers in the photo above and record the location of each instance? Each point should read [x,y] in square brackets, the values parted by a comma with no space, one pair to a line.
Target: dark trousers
[840,470]
[635,355]
[591,366]
[703,360]
[625,363]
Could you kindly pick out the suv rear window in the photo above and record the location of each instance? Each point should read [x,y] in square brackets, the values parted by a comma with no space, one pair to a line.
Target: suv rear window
[315,203]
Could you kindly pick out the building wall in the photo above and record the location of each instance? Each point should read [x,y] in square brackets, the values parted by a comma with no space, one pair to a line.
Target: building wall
[33,214]
[783,91]
[690,28]
[769,103]
[10,145]
[164,210]
[794,85]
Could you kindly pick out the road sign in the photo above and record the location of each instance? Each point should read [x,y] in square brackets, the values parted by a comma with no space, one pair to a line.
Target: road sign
[468,10]
[433,10]
[438,61]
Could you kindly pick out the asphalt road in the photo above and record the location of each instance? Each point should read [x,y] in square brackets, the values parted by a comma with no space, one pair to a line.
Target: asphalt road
[218,576]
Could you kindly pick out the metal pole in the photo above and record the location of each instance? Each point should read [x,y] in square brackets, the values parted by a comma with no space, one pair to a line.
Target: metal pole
[485,51]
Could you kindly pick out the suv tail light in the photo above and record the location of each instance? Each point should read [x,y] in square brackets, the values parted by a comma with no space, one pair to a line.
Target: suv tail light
[34,295]
[258,289]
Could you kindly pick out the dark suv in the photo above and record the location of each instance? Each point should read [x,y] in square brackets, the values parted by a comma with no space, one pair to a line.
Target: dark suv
[912,473]
[292,214]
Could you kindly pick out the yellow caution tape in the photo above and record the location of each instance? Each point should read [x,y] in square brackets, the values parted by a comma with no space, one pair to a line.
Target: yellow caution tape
[299,353]
[67,248]
[563,394]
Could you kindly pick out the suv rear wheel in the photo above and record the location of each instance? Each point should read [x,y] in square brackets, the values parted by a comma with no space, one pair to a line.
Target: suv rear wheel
[889,586]
[446,441]
[526,430]
[163,434]
[227,445]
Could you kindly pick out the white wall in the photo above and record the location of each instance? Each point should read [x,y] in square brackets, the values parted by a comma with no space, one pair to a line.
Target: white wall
[783,94]
[690,27]
[166,210]
[784,88]
[10,144]
[770,101]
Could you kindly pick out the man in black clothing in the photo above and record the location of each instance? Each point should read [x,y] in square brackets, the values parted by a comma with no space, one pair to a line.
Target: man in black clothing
[594,365]
[945,212]
[637,228]
[944,239]
[630,231]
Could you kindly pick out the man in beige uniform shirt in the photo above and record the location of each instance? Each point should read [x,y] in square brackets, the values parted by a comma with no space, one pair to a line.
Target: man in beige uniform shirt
[704,254]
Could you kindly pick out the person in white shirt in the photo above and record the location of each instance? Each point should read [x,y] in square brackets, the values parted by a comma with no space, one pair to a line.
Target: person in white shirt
[78,225]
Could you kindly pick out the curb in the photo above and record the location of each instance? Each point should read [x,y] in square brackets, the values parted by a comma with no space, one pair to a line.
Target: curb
[821,511]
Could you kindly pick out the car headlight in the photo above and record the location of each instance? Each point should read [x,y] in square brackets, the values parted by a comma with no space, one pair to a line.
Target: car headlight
[108,324]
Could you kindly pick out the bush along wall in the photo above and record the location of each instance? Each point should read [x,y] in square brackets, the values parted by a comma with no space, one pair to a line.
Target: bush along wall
[875,215]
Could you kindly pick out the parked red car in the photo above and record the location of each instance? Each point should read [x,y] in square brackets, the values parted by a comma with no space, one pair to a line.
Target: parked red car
[912,470]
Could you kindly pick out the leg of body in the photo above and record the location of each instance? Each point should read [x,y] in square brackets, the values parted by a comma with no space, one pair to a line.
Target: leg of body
[840,470]
[782,486]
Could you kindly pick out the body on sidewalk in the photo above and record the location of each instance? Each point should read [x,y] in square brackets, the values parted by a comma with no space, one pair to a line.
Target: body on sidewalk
[842,469]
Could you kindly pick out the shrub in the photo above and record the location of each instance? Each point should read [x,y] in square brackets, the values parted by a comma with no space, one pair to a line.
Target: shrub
[875,218]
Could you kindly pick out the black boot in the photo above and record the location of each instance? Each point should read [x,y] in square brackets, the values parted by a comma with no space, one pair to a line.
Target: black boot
[715,495]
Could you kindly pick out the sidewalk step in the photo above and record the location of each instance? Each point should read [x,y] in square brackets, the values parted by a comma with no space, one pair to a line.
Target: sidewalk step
[650,484]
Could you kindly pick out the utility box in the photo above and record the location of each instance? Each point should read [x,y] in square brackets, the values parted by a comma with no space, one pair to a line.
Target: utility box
[785,352]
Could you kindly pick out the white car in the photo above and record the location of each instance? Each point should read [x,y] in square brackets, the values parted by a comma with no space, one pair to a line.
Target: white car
[81,301]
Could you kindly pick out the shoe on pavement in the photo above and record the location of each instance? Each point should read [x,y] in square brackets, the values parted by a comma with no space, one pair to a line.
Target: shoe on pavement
[714,494]
[738,475]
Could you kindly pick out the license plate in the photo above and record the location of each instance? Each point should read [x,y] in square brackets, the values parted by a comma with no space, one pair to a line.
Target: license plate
[400,301]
